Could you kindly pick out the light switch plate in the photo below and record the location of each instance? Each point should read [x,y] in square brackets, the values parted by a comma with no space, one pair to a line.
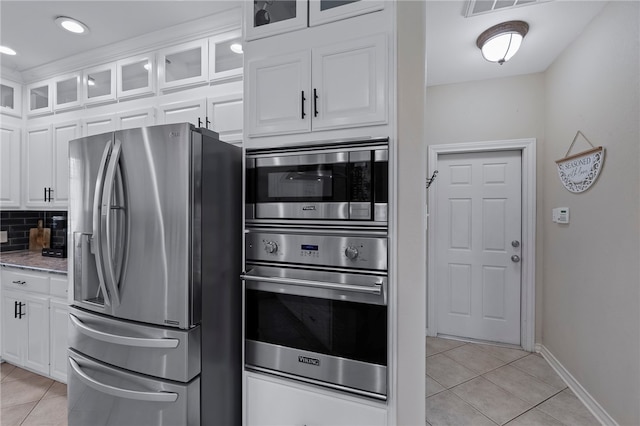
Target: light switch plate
[3,237]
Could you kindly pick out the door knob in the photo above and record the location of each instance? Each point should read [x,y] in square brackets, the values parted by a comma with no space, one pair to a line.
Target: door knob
[515,243]
[515,258]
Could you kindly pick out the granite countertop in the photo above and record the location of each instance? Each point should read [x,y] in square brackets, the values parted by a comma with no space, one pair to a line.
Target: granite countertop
[33,260]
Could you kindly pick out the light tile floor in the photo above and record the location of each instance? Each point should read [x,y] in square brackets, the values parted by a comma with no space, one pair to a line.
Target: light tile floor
[476,385]
[29,399]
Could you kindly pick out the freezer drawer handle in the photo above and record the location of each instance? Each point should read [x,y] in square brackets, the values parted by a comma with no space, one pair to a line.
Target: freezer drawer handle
[122,393]
[376,288]
[141,342]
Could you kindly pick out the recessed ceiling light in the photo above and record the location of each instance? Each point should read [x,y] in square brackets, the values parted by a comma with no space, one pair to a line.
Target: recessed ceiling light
[236,48]
[7,50]
[71,25]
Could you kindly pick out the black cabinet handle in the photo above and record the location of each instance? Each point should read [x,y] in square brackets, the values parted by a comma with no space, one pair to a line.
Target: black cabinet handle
[45,194]
[49,191]
[15,309]
[302,105]
[199,122]
[207,122]
[315,103]
[21,314]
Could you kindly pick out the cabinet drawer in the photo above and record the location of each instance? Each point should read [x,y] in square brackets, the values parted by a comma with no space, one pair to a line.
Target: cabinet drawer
[59,286]
[26,281]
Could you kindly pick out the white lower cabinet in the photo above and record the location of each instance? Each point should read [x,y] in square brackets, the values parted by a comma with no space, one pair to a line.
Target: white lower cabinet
[270,401]
[25,329]
[34,324]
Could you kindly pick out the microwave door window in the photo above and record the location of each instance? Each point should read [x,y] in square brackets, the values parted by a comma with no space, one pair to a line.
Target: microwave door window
[308,183]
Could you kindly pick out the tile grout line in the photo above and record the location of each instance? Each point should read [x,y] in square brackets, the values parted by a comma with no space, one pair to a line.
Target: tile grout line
[36,404]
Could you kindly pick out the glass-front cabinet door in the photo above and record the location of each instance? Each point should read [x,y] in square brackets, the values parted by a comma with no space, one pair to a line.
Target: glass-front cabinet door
[135,76]
[323,11]
[39,98]
[10,98]
[268,17]
[225,55]
[66,92]
[100,83]
[183,65]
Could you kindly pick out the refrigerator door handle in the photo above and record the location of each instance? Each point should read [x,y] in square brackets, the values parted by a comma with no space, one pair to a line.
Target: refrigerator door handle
[141,342]
[119,392]
[95,239]
[105,224]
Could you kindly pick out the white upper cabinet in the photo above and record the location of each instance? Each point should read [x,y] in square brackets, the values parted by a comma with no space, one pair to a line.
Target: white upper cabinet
[281,91]
[192,111]
[323,11]
[135,76]
[67,91]
[39,98]
[9,167]
[100,84]
[62,134]
[225,56]
[10,98]
[268,17]
[137,118]
[183,65]
[225,117]
[99,124]
[330,87]
[38,166]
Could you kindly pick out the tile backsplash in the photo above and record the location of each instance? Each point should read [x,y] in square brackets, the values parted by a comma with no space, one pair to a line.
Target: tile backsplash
[17,223]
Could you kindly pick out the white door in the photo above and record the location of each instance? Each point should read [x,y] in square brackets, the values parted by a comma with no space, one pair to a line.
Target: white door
[9,167]
[38,151]
[478,232]
[62,134]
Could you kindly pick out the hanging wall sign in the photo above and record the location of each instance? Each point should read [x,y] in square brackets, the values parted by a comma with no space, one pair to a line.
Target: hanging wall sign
[579,171]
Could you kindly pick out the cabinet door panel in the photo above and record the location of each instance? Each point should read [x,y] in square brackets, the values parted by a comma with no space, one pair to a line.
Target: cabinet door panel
[351,80]
[278,86]
[58,320]
[37,348]
[62,134]
[98,125]
[13,329]
[193,112]
[226,119]
[266,18]
[10,98]
[139,118]
[38,171]
[9,167]
[323,11]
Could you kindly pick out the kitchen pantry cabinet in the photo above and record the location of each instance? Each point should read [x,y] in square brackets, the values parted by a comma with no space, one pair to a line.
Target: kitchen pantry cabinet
[267,18]
[330,87]
[100,84]
[183,65]
[46,165]
[274,402]
[67,92]
[40,98]
[10,98]
[9,166]
[34,326]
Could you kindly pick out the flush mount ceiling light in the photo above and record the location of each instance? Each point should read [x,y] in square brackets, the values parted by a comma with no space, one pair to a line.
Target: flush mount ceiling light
[71,25]
[7,50]
[500,42]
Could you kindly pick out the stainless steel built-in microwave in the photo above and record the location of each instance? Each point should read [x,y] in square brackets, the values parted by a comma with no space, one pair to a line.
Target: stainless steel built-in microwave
[328,183]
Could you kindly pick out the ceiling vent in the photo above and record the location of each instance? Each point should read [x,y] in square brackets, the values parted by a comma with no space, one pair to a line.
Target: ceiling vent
[479,7]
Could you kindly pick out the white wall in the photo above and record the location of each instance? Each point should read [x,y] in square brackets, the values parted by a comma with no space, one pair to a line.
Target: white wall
[591,303]
[498,109]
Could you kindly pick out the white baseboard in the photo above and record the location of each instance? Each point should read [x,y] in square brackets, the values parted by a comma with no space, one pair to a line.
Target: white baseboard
[592,405]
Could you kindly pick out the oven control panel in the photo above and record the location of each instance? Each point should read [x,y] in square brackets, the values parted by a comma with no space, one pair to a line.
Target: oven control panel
[318,250]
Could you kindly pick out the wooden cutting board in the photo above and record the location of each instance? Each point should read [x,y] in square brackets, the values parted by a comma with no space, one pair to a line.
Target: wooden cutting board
[39,237]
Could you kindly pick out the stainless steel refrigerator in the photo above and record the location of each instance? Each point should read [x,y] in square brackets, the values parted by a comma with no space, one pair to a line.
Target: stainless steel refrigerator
[155,327]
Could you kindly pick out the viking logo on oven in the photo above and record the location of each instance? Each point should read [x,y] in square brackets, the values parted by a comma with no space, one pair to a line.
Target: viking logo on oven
[310,361]
[306,208]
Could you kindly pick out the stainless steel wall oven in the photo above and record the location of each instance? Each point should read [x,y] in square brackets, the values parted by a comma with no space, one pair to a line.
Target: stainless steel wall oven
[316,307]
[344,182]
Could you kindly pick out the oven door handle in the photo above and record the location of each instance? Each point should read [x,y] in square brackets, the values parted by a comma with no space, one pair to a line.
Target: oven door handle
[376,288]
